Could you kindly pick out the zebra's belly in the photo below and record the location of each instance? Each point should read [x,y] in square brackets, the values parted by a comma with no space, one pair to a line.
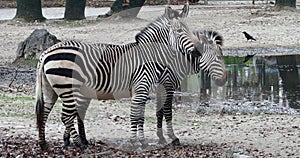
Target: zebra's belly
[101,95]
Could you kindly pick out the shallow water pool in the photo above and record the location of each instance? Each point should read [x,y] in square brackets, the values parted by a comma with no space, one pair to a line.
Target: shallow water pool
[262,81]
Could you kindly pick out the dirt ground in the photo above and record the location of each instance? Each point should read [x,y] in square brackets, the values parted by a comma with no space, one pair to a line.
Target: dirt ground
[278,30]
[208,133]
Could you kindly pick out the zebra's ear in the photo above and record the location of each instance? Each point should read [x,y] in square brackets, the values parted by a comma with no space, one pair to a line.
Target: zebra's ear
[185,11]
[169,14]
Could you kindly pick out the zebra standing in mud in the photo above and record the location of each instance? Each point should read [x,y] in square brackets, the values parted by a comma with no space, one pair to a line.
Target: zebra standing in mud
[164,53]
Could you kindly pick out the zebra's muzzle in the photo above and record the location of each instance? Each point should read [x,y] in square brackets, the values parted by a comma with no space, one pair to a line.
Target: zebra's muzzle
[221,81]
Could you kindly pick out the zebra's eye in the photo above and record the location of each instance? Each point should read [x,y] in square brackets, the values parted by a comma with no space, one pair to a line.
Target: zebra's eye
[179,30]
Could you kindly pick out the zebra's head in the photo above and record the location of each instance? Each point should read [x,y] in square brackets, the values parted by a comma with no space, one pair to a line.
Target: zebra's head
[180,37]
[209,57]
[169,29]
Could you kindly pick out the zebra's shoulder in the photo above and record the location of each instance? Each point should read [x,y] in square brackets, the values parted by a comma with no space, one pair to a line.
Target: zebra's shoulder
[209,36]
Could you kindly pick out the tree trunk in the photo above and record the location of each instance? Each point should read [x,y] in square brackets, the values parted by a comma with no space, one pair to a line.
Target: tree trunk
[29,10]
[282,4]
[128,8]
[75,9]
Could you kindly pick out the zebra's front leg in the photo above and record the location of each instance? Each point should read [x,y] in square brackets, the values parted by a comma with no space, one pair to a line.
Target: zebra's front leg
[168,117]
[160,113]
[167,112]
[159,132]
[137,117]
[137,124]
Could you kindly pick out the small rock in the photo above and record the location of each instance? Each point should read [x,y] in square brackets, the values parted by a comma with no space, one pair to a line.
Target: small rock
[237,155]
[38,41]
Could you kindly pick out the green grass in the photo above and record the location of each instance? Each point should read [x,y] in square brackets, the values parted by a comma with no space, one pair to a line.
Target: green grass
[26,62]
[18,115]
[7,97]
[150,119]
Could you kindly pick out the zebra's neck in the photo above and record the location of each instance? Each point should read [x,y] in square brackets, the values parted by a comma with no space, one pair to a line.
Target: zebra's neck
[157,31]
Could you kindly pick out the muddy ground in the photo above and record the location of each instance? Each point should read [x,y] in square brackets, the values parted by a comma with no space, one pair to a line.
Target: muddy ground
[212,131]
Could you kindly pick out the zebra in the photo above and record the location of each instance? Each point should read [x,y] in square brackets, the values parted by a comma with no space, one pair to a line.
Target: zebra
[210,60]
[163,54]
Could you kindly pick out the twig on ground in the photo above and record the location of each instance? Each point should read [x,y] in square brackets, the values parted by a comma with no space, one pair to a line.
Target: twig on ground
[98,154]
[15,75]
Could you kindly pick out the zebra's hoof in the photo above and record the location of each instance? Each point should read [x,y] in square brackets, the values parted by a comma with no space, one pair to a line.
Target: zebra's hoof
[162,141]
[84,141]
[175,142]
[43,146]
[144,145]
[67,143]
[83,147]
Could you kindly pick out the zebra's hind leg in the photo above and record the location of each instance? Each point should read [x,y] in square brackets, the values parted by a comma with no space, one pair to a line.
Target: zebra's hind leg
[82,105]
[81,130]
[67,137]
[46,98]
[69,113]
[41,127]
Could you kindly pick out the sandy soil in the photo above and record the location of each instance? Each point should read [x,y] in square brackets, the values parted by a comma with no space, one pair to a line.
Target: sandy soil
[240,135]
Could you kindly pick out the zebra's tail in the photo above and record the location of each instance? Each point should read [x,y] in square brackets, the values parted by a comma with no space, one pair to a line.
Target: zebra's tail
[39,108]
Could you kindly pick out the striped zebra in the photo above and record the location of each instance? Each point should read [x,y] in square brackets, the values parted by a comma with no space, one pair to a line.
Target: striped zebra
[163,54]
[209,57]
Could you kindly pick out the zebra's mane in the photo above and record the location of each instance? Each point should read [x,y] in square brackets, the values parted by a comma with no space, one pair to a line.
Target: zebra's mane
[211,37]
[157,25]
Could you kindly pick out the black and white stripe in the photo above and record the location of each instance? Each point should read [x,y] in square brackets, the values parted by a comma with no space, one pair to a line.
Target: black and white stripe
[164,53]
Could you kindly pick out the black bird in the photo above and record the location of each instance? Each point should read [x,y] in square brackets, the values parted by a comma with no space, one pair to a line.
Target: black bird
[249,37]
[248,57]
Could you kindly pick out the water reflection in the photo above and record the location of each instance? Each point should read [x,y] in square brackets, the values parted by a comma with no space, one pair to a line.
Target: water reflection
[272,79]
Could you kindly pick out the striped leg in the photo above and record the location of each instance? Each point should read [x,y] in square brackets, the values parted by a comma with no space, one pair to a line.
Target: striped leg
[165,97]
[160,113]
[45,102]
[69,113]
[46,110]
[137,113]
[81,130]
[82,105]
[168,117]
